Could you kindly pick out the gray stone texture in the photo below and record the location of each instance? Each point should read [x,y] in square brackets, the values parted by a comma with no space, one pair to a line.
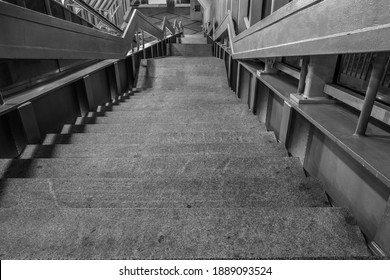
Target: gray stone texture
[180,170]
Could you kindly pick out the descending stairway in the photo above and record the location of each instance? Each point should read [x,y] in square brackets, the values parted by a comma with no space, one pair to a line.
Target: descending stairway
[178,170]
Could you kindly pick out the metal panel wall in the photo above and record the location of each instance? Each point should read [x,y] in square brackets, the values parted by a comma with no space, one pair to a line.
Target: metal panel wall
[274,113]
[347,182]
[56,109]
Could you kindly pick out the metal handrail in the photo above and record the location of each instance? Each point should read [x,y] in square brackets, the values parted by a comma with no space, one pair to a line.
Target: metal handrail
[98,15]
[75,40]
[250,44]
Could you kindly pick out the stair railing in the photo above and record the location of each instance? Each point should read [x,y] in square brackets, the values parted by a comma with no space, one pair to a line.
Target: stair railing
[95,13]
[293,31]
[67,40]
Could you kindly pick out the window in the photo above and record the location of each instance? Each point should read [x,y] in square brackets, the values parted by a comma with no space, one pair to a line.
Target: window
[354,73]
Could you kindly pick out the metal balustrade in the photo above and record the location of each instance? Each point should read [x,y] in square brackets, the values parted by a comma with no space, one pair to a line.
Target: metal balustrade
[56,65]
[67,40]
[355,71]
[260,41]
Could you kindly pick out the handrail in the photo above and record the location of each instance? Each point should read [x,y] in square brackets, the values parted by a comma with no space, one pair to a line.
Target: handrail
[98,15]
[167,25]
[42,37]
[293,31]
[304,34]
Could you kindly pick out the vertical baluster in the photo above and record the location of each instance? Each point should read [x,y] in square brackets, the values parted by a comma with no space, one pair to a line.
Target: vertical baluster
[356,65]
[367,67]
[347,59]
[384,74]
[48,7]
[143,39]
[1,98]
[363,66]
[350,65]
[372,90]
[303,74]
[388,77]
[138,42]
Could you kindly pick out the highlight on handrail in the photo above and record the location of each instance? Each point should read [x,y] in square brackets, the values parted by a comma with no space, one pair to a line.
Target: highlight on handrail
[96,18]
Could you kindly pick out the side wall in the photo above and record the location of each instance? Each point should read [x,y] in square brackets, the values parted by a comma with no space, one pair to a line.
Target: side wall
[28,116]
[346,180]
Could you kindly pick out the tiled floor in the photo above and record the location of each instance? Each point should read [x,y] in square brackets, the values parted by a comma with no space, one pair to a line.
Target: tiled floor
[156,16]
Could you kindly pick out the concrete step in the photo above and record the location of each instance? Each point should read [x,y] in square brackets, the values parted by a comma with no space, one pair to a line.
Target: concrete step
[172,166]
[185,63]
[129,150]
[152,119]
[184,93]
[181,98]
[190,66]
[194,50]
[171,138]
[119,114]
[160,193]
[193,39]
[156,128]
[239,112]
[184,82]
[239,233]
[176,102]
[222,108]
[194,69]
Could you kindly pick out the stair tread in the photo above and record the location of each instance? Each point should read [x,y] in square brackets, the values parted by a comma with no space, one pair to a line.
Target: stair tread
[153,128]
[167,166]
[162,138]
[163,118]
[200,107]
[159,193]
[131,150]
[239,112]
[179,170]
[179,233]
[191,49]
[194,39]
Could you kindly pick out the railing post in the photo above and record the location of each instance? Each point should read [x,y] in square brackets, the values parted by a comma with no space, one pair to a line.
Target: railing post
[1,99]
[320,72]
[230,70]
[48,7]
[138,42]
[372,90]
[303,74]
[143,43]
[238,79]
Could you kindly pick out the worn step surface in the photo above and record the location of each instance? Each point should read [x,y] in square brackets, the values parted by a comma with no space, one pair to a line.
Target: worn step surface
[162,193]
[180,170]
[193,39]
[195,50]
[178,233]
[161,127]
[173,166]
[167,117]
[201,107]
[170,138]
[130,150]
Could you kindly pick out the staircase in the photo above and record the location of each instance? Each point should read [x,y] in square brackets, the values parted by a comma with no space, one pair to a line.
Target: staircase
[180,169]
